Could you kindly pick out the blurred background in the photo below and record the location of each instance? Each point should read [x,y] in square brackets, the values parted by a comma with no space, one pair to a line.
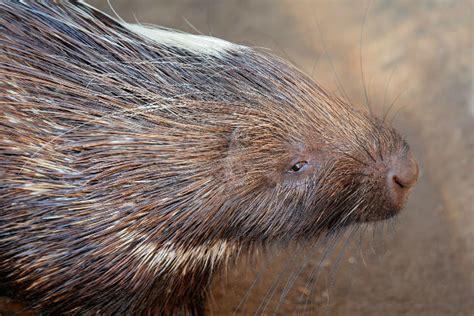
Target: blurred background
[417,59]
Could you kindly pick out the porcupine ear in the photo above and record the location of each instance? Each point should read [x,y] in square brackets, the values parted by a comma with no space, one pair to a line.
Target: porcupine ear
[234,166]
[245,168]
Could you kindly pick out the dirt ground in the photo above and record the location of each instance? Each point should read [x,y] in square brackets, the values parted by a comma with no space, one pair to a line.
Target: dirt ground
[417,55]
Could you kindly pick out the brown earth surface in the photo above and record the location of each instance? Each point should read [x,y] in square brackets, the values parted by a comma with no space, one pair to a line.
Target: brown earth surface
[417,54]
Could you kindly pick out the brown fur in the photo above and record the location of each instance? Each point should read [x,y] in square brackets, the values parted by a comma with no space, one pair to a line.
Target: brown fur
[132,171]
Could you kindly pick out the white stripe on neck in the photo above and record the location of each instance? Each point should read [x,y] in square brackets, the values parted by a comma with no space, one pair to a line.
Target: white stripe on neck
[200,44]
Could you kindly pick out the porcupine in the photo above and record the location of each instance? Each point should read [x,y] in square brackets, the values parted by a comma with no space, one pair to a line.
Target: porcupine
[137,161]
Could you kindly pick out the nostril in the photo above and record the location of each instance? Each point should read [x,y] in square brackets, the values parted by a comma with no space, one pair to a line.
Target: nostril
[406,174]
[401,177]
[399,182]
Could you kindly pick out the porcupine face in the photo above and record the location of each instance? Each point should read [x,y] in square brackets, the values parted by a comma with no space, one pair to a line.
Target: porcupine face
[310,162]
[134,161]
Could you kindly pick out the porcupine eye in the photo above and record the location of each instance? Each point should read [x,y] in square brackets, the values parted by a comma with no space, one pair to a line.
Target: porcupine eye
[297,167]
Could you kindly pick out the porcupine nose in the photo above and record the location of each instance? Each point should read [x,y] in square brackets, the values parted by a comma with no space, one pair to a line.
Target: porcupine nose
[402,175]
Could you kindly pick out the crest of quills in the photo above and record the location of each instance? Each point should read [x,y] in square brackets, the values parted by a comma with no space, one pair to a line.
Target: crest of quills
[136,162]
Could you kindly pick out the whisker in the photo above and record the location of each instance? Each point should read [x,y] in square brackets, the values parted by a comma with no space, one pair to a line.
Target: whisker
[314,275]
[360,57]
[385,94]
[315,19]
[271,291]
[393,103]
